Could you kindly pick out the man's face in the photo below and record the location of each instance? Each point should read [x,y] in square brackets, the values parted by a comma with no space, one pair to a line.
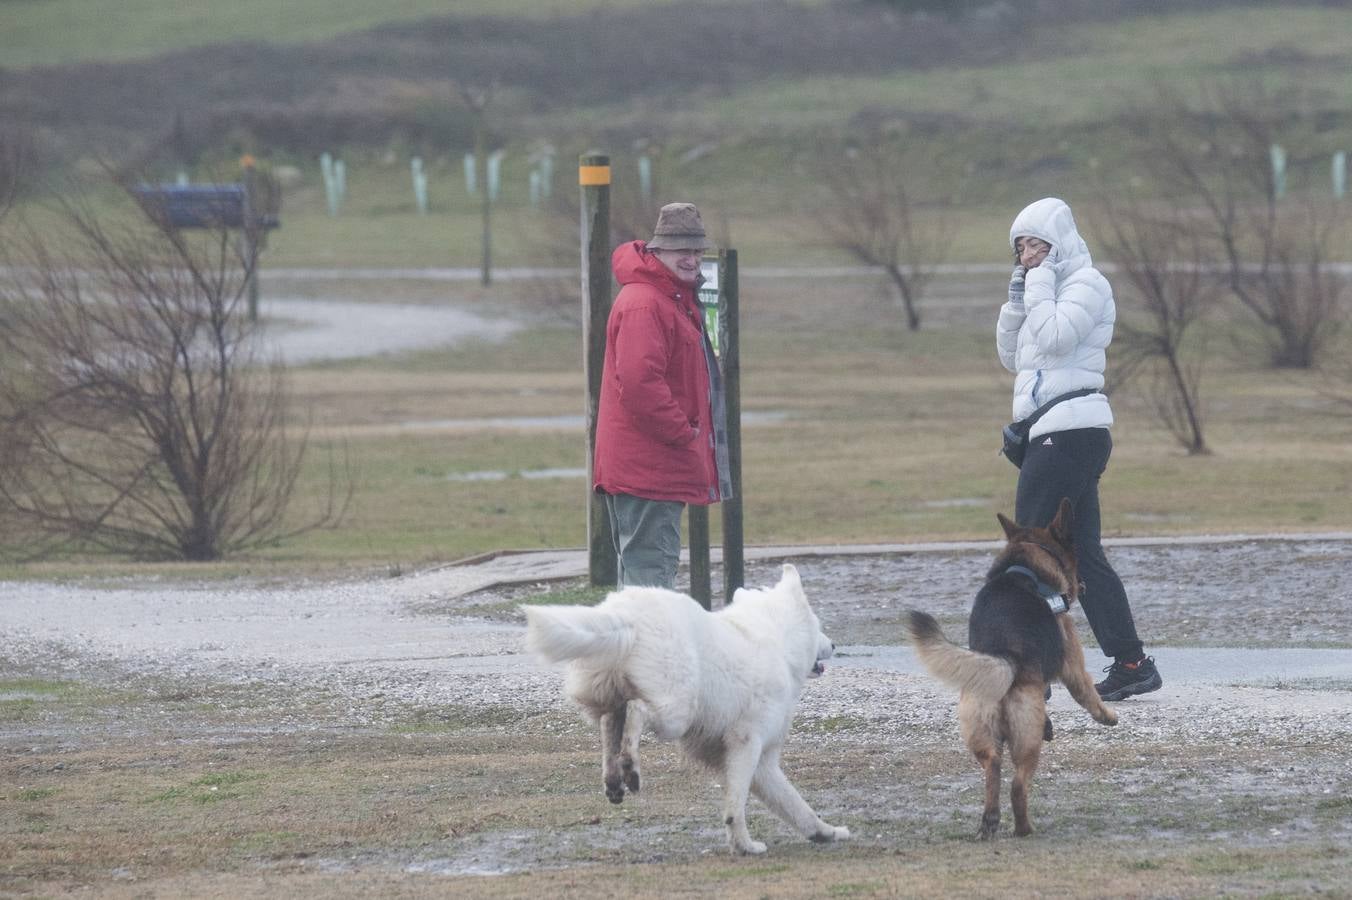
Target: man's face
[684,264]
[1032,251]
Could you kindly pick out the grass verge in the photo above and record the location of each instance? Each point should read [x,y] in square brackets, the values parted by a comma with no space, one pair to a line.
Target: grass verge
[482,805]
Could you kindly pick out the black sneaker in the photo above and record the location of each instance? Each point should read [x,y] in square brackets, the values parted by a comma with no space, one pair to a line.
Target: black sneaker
[1128,679]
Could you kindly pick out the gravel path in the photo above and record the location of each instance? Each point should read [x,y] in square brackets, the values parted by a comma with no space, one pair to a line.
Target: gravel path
[1266,675]
[452,636]
[307,331]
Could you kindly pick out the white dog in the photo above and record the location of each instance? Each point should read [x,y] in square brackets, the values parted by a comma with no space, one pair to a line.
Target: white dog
[724,684]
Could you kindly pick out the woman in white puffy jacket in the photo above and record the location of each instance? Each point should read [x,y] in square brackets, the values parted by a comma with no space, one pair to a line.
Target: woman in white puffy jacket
[1053,334]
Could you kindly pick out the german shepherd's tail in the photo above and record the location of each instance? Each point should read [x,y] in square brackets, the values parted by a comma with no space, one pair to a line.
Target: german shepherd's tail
[987,677]
[562,633]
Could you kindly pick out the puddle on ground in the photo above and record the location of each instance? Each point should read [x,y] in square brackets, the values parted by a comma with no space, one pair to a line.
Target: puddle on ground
[492,853]
[529,474]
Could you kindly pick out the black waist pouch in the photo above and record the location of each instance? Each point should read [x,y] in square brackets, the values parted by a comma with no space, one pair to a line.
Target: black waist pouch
[1015,434]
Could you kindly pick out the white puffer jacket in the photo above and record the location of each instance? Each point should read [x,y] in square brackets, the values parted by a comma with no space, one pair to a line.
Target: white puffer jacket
[1056,341]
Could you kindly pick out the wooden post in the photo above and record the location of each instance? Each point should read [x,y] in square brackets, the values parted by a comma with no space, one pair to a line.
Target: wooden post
[486,204]
[594,180]
[734,564]
[701,582]
[253,228]
[477,101]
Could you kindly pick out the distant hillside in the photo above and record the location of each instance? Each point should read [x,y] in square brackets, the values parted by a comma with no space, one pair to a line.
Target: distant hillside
[361,87]
[651,66]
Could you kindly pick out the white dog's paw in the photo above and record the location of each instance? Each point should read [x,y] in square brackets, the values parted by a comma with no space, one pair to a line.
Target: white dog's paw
[829,833]
[750,848]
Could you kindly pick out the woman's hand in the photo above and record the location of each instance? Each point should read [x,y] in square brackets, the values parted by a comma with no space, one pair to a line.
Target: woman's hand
[1053,264]
[1016,279]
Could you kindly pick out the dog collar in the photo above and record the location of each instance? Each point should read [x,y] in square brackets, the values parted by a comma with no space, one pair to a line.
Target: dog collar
[1056,601]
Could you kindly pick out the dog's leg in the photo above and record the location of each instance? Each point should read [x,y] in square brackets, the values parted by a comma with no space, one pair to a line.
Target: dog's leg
[739,765]
[612,734]
[979,724]
[1078,681]
[633,727]
[1025,713]
[989,759]
[775,790]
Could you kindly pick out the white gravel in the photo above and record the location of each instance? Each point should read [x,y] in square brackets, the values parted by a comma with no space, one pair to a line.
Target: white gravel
[399,643]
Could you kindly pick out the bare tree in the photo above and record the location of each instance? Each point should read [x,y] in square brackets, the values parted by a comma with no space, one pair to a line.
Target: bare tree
[874,214]
[1305,292]
[1215,156]
[135,411]
[477,100]
[1164,260]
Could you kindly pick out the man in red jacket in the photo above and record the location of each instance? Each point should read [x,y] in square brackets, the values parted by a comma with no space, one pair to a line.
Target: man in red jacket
[659,424]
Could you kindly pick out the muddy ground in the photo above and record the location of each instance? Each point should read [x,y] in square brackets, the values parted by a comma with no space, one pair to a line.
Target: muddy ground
[127,771]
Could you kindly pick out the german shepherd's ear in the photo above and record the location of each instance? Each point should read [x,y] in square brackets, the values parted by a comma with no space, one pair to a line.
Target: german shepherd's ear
[1063,526]
[1009,527]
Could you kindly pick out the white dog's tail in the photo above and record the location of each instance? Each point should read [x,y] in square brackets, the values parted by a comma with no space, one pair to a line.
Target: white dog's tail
[987,677]
[562,633]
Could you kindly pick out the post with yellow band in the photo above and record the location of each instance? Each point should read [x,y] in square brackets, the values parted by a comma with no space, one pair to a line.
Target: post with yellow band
[593,178]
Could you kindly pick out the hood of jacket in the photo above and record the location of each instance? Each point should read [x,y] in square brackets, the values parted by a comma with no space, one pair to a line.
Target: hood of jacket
[633,264]
[1049,219]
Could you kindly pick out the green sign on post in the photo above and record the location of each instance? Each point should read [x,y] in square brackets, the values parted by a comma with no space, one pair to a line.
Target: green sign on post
[718,300]
[709,300]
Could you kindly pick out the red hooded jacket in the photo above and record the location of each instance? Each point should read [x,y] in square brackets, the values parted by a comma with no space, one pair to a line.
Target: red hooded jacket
[654,434]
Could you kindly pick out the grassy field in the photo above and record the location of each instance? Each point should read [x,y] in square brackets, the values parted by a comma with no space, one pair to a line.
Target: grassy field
[158,788]
[989,133]
[859,431]
[866,433]
[1111,67]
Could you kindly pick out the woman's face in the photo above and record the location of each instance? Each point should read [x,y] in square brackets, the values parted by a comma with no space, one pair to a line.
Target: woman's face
[1031,251]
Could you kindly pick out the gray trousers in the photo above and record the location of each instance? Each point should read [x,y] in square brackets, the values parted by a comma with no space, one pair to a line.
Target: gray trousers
[647,538]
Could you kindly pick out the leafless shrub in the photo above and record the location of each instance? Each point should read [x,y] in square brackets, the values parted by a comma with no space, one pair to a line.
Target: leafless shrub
[1333,379]
[135,417]
[1164,262]
[1214,156]
[1304,293]
[873,212]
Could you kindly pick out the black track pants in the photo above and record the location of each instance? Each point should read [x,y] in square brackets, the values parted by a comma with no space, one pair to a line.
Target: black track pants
[1069,464]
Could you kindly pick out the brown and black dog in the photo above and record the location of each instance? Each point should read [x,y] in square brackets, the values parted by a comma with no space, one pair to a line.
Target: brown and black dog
[1020,639]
